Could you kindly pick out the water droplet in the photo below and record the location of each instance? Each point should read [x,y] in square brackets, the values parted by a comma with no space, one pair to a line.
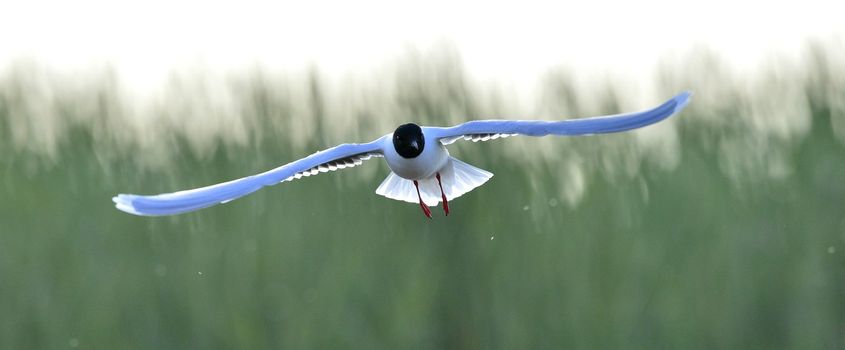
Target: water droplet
[831,250]
[526,208]
[199,272]
[491,237]
[250,246]
[310,295]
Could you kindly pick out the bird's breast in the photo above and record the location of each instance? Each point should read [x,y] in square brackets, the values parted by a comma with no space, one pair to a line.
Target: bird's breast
[432,159]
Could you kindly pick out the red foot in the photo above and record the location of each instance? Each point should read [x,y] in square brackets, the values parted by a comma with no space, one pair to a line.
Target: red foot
[443,195]
[424,207]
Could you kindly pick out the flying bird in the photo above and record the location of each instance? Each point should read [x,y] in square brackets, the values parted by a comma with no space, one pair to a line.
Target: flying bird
[422,171]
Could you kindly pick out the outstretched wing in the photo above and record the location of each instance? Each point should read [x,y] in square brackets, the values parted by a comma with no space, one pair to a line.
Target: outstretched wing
[340,157]
[483,130]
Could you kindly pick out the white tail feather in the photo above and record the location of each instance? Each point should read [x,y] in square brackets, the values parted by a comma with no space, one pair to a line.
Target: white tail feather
[456,176]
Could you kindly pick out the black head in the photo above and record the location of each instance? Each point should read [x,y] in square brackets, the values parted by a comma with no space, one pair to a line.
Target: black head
[408,140]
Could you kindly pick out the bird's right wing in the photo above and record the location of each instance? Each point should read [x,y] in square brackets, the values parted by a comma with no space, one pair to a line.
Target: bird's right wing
[483,130]
[339,157]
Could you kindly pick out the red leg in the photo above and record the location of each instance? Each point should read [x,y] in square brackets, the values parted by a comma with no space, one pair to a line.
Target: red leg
[424,207]
[443,195]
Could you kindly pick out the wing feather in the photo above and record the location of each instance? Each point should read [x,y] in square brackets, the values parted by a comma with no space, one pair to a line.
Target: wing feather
[349,155]
[483,130]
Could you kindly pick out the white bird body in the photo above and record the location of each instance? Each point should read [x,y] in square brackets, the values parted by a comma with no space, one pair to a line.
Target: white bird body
[433,158]
[422,171]
[456,179]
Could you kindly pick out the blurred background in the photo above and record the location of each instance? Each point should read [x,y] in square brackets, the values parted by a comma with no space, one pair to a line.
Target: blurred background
[722,227]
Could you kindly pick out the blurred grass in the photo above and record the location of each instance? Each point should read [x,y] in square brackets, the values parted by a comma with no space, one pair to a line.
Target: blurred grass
[685,257]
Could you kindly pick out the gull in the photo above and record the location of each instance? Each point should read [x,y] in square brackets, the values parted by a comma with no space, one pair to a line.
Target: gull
[422,171]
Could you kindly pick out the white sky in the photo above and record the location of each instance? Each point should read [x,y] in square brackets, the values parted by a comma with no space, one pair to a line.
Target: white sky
[502,40]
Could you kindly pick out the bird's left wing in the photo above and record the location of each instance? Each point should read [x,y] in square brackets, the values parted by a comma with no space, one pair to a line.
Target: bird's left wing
[339,157]
[483,130]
